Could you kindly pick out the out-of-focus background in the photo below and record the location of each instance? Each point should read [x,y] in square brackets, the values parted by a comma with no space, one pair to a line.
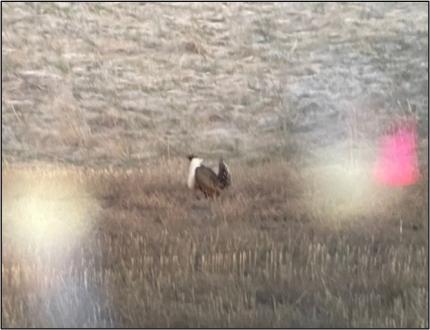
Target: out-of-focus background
[123,83]
[101,102]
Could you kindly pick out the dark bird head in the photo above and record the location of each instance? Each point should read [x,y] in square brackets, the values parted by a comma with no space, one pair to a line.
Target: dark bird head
[191,156]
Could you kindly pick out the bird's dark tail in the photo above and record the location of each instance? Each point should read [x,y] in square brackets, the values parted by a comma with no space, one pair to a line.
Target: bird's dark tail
[224,175]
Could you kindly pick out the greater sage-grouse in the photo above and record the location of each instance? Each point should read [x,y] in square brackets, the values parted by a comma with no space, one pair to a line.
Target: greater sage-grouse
[203,178]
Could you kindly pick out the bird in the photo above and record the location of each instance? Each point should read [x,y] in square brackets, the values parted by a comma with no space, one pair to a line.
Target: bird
[204,179]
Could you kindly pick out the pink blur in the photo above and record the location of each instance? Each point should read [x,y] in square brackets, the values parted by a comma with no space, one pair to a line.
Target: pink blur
[397,162]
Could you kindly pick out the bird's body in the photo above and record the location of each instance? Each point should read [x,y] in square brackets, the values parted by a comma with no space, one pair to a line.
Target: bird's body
[204,179]
[207,181]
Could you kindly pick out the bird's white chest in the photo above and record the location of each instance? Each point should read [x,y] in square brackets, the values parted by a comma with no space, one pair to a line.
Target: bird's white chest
[195,162]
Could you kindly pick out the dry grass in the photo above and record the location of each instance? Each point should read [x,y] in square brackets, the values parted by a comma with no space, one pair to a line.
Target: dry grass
[97,83]
[100,99]
[266,254]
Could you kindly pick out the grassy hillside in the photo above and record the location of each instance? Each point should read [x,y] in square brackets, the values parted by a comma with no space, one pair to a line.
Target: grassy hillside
[121,83]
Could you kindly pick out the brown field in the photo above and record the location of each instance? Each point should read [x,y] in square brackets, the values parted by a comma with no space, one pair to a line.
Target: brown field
[276,250]
[100,105]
